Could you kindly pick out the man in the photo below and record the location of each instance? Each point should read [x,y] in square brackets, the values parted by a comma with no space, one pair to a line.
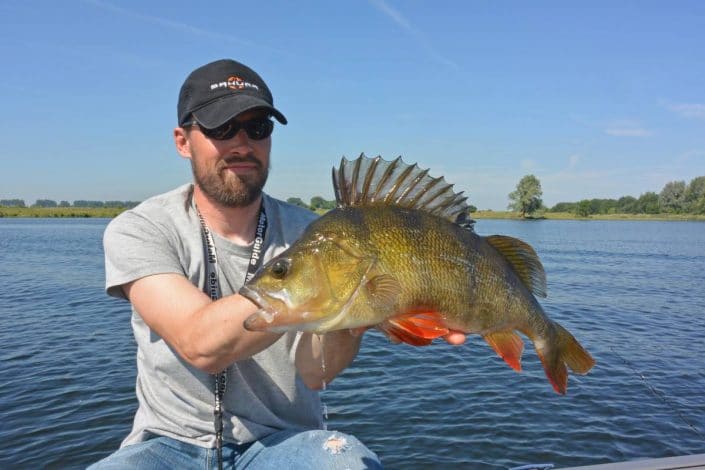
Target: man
[180,258]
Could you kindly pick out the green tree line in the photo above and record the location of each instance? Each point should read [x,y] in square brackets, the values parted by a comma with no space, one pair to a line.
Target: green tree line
[316,203]
[676,197]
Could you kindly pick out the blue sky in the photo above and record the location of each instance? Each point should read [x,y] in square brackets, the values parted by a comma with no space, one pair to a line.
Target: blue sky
[598,99]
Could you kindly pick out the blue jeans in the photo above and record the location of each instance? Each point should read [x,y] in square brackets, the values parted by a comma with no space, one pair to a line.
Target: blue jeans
[284,450]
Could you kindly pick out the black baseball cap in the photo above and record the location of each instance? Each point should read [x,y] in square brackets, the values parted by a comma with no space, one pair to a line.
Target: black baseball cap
[217,92]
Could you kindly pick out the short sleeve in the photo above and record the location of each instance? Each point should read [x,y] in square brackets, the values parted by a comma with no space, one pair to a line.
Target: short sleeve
[136,247]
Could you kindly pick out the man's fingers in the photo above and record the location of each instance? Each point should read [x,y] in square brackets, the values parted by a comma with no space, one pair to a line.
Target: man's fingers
[455,338]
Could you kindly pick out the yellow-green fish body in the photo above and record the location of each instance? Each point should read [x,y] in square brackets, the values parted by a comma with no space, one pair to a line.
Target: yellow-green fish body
[399,254]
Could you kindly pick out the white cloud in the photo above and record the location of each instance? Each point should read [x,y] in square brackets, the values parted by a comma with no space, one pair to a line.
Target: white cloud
[615,127]
[626,129]
[573,160]
[688,110]
[396,16]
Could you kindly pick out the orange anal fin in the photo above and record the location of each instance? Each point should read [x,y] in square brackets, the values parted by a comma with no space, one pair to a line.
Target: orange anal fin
[556,372]
[508,345]
[417,329]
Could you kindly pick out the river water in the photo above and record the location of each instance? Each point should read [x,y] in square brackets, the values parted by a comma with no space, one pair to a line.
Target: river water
[631,292]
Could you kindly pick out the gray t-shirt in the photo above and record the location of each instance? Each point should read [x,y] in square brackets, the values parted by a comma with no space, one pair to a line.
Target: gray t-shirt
[264,393]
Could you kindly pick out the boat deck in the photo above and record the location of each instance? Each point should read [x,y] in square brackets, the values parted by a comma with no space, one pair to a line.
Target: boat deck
[696,461]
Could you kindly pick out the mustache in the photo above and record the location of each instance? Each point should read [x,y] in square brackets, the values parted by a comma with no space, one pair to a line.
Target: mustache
[249,158]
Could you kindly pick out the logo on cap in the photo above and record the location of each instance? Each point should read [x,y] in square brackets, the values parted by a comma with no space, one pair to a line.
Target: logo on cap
[234,83]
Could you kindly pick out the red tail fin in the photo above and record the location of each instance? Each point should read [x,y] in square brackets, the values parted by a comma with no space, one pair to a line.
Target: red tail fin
[560,351]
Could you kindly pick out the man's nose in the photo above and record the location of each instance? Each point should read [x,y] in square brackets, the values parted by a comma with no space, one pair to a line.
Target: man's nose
[240,140]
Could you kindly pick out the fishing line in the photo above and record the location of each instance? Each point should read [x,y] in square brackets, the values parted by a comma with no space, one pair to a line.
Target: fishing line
[658,394]
[324,407]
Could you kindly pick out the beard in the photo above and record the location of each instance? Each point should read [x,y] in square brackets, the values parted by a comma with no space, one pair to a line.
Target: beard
[227,188]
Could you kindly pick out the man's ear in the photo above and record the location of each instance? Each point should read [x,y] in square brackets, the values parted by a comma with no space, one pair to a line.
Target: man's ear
[183,145]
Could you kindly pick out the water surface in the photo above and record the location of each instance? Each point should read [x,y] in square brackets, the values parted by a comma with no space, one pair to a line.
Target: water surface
[630,291]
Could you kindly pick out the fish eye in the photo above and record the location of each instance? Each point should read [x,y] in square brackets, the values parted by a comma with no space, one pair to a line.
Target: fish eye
[280,268]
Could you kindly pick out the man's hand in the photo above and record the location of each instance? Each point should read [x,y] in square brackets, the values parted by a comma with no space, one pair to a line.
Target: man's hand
[320,358]
[456,338]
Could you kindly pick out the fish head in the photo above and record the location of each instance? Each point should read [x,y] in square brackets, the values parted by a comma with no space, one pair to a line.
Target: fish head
[310,286]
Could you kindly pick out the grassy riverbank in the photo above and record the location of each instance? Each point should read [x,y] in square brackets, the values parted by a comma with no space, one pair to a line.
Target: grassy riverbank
[110,212]
[103,212]
[571,216]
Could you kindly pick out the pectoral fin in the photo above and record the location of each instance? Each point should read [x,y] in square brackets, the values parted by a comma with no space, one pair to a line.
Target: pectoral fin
[417,329]
[508,345]
[382,290]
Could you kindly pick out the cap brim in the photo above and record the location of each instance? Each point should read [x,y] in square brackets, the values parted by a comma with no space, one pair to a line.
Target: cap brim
[226,108]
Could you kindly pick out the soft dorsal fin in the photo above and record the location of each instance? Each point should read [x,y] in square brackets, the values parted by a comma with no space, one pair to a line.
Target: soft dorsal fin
[523,259]
[375,181]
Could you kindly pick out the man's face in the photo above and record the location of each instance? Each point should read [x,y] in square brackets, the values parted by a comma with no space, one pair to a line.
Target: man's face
[233,171]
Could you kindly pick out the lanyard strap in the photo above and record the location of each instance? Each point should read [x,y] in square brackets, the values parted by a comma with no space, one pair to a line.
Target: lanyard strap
[213,289]
[212,283]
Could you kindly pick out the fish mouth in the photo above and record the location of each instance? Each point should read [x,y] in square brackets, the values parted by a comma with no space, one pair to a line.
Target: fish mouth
[275,316]
[253,296]
[262,319]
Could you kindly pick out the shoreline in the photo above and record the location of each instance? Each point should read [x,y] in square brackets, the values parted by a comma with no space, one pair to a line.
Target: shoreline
[479,215]
[110,212]
[60,212]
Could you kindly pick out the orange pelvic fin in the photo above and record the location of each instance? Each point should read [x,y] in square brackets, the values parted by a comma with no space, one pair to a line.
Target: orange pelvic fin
[508,345]
[417,329]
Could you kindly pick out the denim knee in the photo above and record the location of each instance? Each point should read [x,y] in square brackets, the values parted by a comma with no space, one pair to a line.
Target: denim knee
[314,450]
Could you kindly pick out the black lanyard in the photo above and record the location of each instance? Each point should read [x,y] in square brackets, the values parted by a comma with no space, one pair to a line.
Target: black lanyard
[213,290]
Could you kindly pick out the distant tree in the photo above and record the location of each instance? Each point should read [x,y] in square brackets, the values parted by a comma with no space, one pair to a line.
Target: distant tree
[472,208]
[297,202]
[602,206]
[672,197]
[648,203]
[114,204]
[64,204]
[595,206]
[695,194]
[45,203]
[317,202]
[627,205]
[83,203]
[12,203]
[698,207]
[583,208]
[527,197]
[564,207]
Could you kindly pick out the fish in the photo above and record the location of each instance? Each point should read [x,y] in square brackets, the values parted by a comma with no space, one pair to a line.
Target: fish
[400,254]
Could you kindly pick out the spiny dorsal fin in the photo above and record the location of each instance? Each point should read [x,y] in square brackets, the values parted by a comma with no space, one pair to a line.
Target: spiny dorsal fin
[524,260]
[375,181]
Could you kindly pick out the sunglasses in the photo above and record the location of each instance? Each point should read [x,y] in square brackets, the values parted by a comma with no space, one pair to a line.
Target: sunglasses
[256,129]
